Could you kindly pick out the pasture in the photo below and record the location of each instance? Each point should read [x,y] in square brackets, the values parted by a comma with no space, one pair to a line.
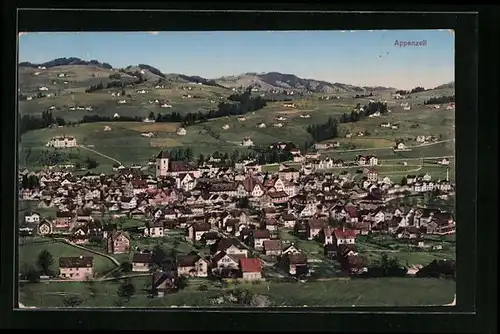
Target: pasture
[333,293]
[30,248]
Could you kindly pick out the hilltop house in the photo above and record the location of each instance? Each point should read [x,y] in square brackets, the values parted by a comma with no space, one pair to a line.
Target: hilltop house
[261,125]
[181,132]
[247,142]
[76,268]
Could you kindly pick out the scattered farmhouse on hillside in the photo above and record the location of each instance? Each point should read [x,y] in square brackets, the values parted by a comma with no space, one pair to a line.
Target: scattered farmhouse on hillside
[247,142]
[181,132]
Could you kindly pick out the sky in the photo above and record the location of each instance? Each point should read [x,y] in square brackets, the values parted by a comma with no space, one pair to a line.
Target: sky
[364,58]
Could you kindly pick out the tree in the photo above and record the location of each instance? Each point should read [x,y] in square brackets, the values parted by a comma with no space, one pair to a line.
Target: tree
[126,267]
[151,115]
[30,273]
[181,282]
[404,181]
[44,261]
[159,255]
[71,301]
[126,290]
[201,159]
[91,163]
[243,203]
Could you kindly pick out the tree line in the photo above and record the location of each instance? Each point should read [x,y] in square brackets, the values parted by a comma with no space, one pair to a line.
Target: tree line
[358,114]
[440,99]
[414,90]
[324,131]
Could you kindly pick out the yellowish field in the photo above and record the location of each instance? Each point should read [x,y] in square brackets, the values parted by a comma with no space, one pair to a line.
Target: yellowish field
[164,142]
[149,127]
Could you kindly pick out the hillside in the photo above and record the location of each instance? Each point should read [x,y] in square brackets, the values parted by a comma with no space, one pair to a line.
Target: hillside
[66,62]
[279,81]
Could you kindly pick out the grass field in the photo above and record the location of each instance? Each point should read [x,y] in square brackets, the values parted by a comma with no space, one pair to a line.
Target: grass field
[359,292]
[125,143]
[29,251]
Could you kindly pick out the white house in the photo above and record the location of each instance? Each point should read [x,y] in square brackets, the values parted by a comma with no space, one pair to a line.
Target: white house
[43,89]
[147,134]
[225,127]
[116,115]
[32,218]
[147,120]
[165,105]
[247,142]
[181,132]
[107,128]
[278,125]
[305,116]
[261,125]
[407,108]
[122,101]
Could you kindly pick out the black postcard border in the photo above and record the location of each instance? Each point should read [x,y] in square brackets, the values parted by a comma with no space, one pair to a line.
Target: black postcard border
[465,26]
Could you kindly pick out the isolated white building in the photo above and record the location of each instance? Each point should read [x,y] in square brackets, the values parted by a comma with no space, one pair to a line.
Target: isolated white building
[247,142]
[181,132]
[147,120]
[43,89]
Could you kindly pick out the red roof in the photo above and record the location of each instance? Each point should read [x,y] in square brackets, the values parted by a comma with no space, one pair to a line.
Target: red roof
[344,233]
[250,265]
[351,211]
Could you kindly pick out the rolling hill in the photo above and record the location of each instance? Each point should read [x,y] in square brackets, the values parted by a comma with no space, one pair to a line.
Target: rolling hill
[280,81]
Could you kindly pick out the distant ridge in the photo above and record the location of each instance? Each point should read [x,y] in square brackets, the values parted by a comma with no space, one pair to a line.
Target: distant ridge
[66,62]
[448,85]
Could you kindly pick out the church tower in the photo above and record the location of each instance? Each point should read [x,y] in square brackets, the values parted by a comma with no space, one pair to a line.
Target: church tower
[162,161]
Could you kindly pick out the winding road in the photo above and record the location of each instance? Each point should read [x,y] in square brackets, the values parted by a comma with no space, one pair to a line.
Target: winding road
[99,153]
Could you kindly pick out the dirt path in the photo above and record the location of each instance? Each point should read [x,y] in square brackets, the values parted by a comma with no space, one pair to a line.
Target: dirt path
[90,250]
[386,148]
[99,153]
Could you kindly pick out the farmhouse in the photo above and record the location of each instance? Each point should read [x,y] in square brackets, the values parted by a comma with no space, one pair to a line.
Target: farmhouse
[122,101]
[305,116]
[107,128]
[369,160]
[289,105]
[147,134]
[76,268]
[278,125]
[261,125]
[62,141]
[192,265]
[181,132]
[165,105]
[225,127]
[247,142]
[148,120]
[251,269]
[141,262]
[444,161]
[117,242]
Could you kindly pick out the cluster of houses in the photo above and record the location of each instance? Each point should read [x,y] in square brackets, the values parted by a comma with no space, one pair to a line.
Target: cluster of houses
[202,201]
[62,142]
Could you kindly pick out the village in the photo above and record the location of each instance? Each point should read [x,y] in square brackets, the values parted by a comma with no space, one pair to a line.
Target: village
[235,222]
